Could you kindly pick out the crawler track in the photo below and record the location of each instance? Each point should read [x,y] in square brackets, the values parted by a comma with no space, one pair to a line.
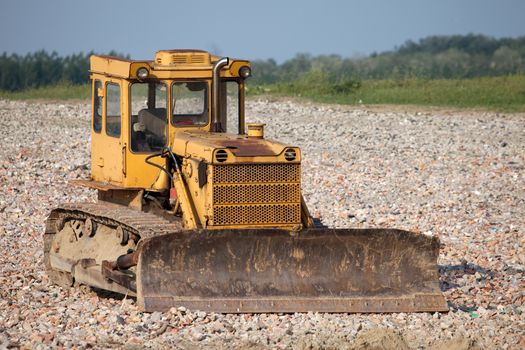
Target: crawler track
[139,225]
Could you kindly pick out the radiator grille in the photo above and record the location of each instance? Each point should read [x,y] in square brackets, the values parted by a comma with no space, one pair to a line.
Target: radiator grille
[267,193]
[256,194]
[246,173]
[257,214]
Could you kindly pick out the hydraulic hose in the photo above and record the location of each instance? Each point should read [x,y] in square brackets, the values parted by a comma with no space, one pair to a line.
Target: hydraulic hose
[165,151]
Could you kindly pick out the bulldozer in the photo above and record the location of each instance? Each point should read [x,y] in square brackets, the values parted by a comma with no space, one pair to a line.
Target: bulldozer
[196,208]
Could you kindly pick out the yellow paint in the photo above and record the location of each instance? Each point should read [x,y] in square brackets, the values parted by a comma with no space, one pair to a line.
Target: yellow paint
[256,130]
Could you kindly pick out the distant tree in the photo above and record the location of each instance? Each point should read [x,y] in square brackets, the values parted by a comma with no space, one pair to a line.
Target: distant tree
[265,72]
[10,75]
[293,68]
[506,59]
[41,68]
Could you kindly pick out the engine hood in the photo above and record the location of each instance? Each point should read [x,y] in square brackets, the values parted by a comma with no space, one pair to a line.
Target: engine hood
[202,145]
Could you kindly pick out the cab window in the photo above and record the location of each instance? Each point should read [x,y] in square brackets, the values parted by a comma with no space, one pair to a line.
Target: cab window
[230,105]
[189,102]
[97,106]
[113,122]
[149,117]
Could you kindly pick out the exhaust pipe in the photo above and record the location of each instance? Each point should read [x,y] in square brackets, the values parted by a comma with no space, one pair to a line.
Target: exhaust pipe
[216,117]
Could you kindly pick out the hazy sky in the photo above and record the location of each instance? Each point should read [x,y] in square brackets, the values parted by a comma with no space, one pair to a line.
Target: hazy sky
[246,29]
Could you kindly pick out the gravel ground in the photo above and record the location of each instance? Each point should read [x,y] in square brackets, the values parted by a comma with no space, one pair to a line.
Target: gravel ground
[457,175]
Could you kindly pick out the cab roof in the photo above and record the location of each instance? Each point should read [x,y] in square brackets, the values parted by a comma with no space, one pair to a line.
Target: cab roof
[167,64]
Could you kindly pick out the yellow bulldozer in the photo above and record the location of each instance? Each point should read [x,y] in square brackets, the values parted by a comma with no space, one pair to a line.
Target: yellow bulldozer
[189,214]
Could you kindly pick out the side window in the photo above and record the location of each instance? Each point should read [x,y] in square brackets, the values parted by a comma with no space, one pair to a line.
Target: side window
[113,109]
[97,106]
[189,103]
[230,106]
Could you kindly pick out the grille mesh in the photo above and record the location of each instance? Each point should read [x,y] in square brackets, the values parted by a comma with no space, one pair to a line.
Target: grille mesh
[246,173]
[254,194]
[267,193]
[257,214]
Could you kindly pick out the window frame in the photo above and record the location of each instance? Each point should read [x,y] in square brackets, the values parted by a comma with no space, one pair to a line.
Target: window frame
[206,104]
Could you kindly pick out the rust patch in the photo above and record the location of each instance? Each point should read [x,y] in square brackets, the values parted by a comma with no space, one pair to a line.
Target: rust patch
[246,147]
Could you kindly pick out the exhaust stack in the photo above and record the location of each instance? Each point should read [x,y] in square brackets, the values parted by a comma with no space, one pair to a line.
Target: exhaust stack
[216,118]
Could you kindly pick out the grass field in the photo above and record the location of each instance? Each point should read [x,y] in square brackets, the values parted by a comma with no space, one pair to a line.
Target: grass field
[493,93]
[56,92]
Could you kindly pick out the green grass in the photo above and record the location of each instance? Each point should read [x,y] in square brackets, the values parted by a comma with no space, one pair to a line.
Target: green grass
[493,93]
[61,91]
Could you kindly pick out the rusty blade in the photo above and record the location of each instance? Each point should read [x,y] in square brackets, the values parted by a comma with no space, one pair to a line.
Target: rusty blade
[333,270]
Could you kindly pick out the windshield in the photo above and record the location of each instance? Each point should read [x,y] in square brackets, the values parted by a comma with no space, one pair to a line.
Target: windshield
[190,103]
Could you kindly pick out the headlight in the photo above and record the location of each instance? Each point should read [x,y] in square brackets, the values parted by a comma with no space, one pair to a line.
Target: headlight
[245,72]
[142,73]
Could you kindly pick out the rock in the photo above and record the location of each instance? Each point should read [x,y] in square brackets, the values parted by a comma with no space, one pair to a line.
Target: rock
[156,316]
[182,309]
[201,314]
[197,336]
[120,320]
[216,327]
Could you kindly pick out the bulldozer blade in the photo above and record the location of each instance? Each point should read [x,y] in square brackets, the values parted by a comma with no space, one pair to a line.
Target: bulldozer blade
[271,270]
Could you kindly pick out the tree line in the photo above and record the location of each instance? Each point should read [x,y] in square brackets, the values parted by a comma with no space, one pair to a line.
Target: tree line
[434,57]
[33,70]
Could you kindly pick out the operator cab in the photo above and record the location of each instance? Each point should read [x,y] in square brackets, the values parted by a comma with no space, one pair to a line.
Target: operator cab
[139,107]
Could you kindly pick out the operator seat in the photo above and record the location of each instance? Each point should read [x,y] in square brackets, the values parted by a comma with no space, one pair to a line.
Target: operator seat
[150,130]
